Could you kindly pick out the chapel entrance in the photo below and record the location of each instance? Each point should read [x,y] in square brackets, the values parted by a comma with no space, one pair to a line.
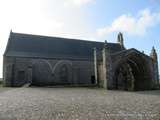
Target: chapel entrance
[132,73]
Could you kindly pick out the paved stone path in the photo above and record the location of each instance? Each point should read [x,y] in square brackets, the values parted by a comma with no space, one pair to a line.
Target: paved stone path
[78,104]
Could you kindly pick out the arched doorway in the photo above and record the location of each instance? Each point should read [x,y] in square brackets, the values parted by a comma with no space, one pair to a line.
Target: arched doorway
[42,73]
[62,72]
[132,73]
[124,77]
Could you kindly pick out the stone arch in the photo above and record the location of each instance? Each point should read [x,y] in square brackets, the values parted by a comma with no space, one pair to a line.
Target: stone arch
[62,72]
[135,72]
[42,73]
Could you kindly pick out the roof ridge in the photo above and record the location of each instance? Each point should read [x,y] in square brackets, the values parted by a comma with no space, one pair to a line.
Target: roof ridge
[83,40]
[36,35]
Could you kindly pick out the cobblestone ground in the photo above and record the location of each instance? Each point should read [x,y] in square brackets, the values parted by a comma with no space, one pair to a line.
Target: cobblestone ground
[78,104]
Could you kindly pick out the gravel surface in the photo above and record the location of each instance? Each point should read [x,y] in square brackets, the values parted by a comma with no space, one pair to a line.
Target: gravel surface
[78,104]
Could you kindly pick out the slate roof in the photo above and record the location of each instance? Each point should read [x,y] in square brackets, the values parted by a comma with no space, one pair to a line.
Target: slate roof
[27,45]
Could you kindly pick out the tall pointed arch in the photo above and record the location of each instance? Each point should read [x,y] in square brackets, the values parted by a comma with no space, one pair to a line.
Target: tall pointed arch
[132,72]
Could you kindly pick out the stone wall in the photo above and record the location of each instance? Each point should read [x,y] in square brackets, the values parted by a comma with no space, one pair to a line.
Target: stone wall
[100,74]
[18,71]
[127,70]
[144,75]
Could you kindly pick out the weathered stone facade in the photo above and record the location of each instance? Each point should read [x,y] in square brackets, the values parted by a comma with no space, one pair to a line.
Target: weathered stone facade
[49,61]
[46,72]
[61,64]
[127,69]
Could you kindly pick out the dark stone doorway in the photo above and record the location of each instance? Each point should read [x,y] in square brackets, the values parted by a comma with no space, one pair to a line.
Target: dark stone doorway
[93,80]
[132,73]
[124,77]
